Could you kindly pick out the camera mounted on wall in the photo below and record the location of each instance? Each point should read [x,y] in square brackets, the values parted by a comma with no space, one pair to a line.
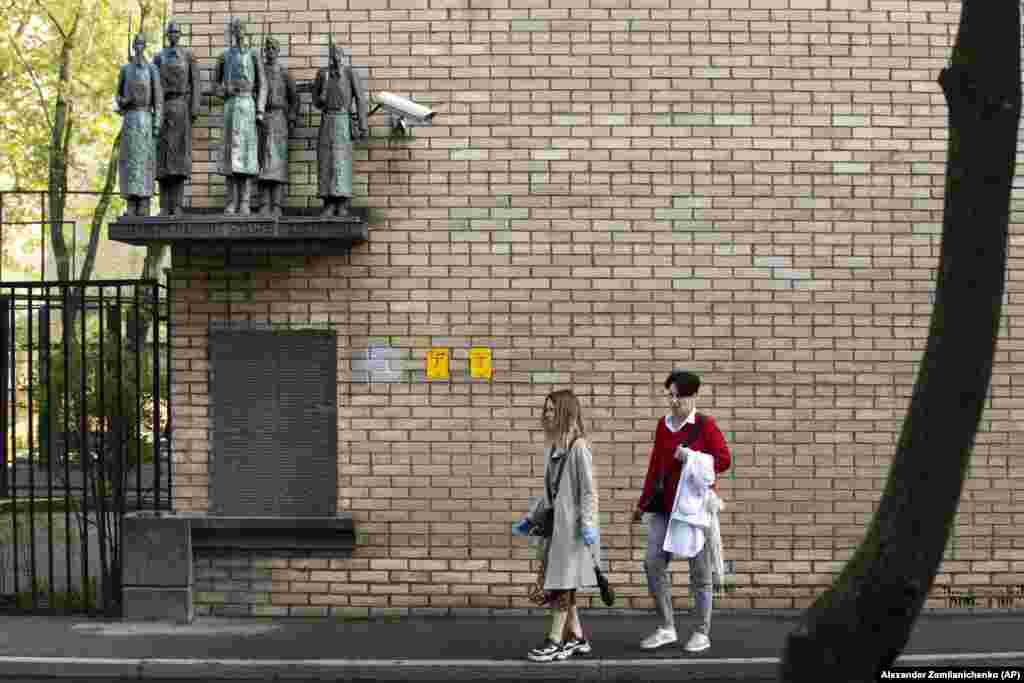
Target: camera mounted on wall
[402,112]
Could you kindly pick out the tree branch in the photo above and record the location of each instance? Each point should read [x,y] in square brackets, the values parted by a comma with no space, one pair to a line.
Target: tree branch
[102,207]
[35,80]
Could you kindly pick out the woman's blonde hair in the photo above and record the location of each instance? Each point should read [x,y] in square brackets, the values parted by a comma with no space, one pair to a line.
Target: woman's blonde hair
[568,412]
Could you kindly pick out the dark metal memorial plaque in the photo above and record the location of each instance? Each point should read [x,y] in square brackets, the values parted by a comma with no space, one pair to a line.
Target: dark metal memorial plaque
[254,229]
[273,397]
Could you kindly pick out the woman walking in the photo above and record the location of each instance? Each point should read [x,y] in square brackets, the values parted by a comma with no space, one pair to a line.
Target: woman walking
[682,436]
[573,547]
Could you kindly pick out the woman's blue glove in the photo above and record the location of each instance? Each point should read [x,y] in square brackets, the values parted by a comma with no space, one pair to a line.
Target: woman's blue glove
[521,528]
[589,535]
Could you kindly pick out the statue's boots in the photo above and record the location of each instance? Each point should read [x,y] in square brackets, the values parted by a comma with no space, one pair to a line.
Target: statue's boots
[180,203]
[277,196]
[343,206]
[245,200]
[266,199]
[229,199]
[328,209]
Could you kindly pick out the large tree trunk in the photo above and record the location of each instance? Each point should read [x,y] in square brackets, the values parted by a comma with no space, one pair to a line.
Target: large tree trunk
[58,178]
[861,624]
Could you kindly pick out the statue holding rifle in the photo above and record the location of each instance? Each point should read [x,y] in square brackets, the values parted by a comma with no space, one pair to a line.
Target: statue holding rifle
[179,78]
[337,92]
[281,114]
[139,102]
[239,80]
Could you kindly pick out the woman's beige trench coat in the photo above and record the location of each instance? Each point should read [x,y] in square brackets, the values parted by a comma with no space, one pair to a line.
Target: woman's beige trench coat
[570,565]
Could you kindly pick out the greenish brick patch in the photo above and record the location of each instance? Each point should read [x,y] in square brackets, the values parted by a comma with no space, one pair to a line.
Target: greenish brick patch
[790,274]
[663,120]
[734,120]
[692,119]
[501,249]
[692,226]
[771,261]
[488,224]
[711,72]
[610,120]
[468,236]
[468,154]
[503,200]
[690,202]
[849,121]
[842,167]
[210,598]
[510,214]
[503,237]
[529,25]
[691,283]
[468,212]
[927,228]
[856,261]
[568,120]
[673,214]
[617,227]
[459,224]
[545,377]
[551,154]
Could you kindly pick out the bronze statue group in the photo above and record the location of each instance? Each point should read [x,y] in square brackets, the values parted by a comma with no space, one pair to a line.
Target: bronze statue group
[159,103]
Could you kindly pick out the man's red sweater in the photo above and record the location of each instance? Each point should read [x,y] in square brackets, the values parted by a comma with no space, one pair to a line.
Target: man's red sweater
[707,439]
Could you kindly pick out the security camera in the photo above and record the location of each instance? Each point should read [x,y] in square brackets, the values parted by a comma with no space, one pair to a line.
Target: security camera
[405,113]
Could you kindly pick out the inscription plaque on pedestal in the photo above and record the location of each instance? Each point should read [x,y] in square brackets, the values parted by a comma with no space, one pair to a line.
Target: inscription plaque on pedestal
[197,228]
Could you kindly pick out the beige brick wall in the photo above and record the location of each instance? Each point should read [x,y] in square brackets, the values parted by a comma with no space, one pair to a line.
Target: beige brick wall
[613,188]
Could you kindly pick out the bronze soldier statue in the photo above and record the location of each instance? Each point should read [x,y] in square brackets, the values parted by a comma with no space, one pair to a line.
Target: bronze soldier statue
[139,102]
[239,80]
[179,77]
[336,92]
[282,111]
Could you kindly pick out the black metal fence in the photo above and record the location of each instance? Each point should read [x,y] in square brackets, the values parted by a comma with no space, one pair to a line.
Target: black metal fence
[85,419]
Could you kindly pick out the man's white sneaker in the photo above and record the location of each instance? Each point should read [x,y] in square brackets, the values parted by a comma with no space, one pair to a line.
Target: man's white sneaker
[663,636]
[698,642]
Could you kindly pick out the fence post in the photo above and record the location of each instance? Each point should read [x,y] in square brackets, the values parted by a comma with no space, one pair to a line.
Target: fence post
[6,346]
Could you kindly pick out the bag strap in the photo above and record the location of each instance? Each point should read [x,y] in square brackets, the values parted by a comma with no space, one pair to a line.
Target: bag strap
[692,433]
[561,468]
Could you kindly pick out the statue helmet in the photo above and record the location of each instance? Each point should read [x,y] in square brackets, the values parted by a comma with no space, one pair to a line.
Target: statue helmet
[172,27]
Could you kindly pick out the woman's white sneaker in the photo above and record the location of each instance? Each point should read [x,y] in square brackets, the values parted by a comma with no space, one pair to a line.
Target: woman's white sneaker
[698,642]
[662,636]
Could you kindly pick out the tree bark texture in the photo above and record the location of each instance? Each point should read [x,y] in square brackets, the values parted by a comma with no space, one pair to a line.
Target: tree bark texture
[60,138]
[861,624]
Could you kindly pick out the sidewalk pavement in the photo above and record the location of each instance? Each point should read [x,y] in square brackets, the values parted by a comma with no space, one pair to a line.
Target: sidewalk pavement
[745,645]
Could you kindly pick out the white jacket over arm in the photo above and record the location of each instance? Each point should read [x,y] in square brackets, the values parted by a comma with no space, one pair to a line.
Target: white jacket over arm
[689,517]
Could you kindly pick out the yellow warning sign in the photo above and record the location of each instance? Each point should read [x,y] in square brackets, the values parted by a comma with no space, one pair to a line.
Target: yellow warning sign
[480,363]
[437,363]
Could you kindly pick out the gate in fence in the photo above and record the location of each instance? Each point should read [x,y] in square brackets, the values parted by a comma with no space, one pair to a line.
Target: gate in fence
[85,424]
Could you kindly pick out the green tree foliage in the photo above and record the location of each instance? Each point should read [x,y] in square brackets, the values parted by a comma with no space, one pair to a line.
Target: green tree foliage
[59,61]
